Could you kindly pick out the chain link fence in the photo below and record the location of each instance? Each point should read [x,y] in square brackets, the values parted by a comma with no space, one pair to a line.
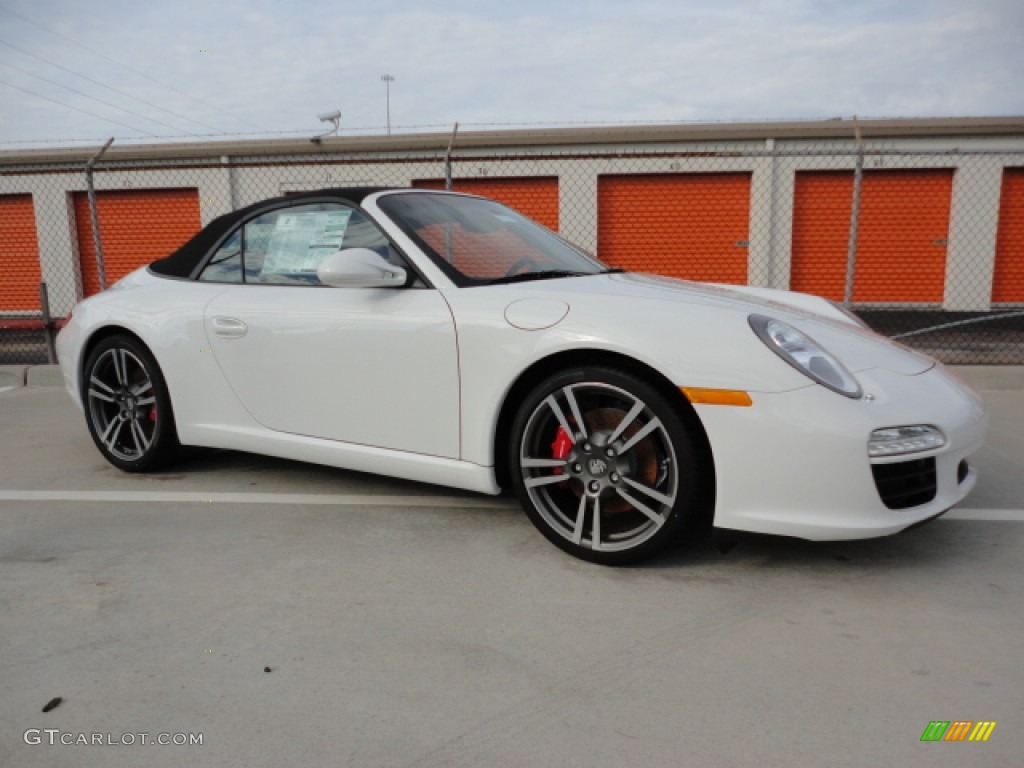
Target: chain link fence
[927,246]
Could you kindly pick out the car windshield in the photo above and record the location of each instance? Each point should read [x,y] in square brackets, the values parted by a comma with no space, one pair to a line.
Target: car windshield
[481,242]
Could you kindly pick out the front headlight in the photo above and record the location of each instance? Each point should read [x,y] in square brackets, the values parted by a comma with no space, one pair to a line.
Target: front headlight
[803,353]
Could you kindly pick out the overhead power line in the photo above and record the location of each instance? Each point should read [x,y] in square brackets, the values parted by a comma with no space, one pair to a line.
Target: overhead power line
[77,109]
[86,95]
[108,87]
[218,108]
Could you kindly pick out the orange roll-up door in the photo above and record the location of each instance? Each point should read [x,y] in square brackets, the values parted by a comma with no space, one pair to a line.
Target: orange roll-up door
[19,255]
[137,227]
[1008,280]
[901,235]
[693,226]
[534,197]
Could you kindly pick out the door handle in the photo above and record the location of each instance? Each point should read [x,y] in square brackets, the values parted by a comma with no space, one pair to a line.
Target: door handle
[229,327]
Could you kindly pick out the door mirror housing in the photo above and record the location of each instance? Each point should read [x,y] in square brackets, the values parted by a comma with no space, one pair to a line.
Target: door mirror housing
[359,268]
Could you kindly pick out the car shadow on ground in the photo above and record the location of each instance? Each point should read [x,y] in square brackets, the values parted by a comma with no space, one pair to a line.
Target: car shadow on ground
[288,476]
[940,543]
[936,544]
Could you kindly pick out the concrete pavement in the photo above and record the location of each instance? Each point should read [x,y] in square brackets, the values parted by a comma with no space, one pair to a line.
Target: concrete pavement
[407,625]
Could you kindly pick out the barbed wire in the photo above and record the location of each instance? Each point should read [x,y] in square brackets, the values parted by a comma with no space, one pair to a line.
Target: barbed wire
[119,63]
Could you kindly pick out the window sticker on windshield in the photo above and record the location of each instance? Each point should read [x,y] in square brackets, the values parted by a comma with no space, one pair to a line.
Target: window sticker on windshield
[300,241]
[325,239]
[338,220]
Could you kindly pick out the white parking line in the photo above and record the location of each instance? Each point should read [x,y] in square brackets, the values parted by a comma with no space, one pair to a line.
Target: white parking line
[371,500]
[1012,515]
[333,499]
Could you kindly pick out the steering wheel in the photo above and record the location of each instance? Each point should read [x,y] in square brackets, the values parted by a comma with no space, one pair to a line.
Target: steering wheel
[526,261]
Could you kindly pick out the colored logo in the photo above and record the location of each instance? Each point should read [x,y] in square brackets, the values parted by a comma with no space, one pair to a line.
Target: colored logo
[958,730]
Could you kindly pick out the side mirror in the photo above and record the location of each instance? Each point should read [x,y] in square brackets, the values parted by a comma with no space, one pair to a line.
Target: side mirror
[359,268]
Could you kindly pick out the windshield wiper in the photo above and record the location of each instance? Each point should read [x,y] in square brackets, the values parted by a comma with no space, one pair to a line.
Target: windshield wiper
[545,274]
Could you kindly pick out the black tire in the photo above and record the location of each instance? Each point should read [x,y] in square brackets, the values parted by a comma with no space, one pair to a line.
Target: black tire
[634,467]
[127,406]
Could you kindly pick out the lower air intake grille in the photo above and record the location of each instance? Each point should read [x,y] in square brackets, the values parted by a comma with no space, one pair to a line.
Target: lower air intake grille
[906,483]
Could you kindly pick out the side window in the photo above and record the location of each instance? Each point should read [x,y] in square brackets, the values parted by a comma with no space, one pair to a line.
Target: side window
[286,246]
[226,264]
[362,233]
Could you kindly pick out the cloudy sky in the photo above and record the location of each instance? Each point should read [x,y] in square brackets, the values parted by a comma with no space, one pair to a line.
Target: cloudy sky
[73,71]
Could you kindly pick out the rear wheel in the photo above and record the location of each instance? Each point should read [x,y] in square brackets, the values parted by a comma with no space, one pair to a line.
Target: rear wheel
[127,407]
[604,465]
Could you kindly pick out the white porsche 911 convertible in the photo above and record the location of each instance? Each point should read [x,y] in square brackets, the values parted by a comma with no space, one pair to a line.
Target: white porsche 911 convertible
[445,338]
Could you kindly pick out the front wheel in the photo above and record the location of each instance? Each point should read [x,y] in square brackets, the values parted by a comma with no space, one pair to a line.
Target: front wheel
[127,407]
[604,465]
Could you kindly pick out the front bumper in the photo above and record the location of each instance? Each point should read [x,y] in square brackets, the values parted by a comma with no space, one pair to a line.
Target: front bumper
[69,347]
[796,463]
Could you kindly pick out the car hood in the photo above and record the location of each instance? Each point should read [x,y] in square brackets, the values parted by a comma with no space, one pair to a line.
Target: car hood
[857,347]
[739,297]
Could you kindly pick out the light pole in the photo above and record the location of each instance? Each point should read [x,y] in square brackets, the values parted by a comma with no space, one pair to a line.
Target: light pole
[388,80]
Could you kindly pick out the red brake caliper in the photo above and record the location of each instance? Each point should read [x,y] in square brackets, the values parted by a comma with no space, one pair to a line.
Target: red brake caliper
[152,414]
[561,446]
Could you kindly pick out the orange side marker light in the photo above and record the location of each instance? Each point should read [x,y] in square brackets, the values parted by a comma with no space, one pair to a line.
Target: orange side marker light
[703,396]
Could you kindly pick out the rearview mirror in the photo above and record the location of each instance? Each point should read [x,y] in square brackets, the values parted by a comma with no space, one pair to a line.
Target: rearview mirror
[359,268]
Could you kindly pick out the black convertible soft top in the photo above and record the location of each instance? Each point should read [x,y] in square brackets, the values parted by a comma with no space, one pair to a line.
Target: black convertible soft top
[182,262]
